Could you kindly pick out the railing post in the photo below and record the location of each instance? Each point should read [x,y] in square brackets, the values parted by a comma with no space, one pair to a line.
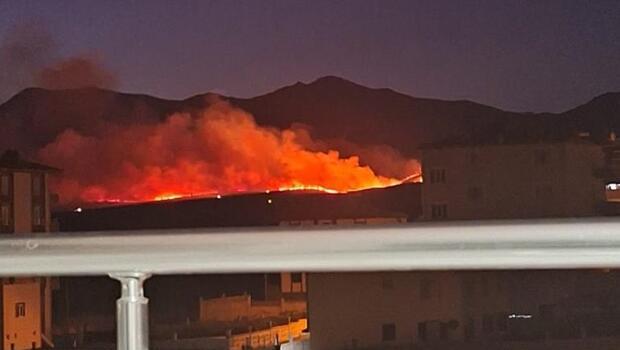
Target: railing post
[132,320]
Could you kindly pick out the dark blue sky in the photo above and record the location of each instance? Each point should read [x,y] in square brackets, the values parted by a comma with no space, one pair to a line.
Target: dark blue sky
[518,55]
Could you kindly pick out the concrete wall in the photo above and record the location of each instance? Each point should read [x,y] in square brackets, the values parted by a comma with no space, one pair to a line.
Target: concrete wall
[22,332]
[232,308]
[225,309]
[515,181]
[267,337]
[349,310]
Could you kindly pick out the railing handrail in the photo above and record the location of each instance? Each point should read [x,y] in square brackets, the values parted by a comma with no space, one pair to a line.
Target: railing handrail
[522,244]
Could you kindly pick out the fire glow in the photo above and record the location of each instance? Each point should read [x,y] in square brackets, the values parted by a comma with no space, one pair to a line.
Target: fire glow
[218,152]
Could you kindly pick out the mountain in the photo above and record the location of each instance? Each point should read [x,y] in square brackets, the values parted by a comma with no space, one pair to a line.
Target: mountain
[332,107]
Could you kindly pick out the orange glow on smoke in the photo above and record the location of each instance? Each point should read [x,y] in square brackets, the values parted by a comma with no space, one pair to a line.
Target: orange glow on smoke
[218,152]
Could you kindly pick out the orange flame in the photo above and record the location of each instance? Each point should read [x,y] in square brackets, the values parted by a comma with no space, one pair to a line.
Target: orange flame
[220,151]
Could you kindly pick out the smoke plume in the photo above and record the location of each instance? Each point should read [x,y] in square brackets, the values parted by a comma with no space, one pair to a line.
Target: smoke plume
[221,150]
[29,57]
[76,72]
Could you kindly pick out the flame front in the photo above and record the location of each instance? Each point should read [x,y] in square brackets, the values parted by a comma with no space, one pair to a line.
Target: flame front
[220,151]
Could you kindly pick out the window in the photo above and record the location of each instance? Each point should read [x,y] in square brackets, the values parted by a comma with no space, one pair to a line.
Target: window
[387,282]
[474,193]
[422,331]
[541,157]
[20,310]
[273,279]
[388,332]
[487,323]
[469,288]
[37,215]
[5,215]
[543,191]
[546,311]
[37,185]
[438,176]
[501,322]
[426,286]
[38,202]
[484,286]
[439,211]
[296,277]
[473,157]
[4,185]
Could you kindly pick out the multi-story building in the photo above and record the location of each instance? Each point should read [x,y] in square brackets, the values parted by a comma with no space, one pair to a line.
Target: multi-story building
[512,181]
[26,303]
[378,310]
[463,182]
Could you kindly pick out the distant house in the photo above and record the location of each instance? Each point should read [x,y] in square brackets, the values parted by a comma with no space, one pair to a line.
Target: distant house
[26,303]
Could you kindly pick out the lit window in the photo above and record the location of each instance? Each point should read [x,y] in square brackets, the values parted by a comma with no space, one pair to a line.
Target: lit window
[20,310]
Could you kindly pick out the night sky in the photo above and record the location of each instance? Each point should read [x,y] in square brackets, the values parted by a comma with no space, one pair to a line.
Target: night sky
[516,55]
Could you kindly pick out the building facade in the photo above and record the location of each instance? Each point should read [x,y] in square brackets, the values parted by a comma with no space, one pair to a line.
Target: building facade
[512,181]
[449,309]
[26,303]
[379,310]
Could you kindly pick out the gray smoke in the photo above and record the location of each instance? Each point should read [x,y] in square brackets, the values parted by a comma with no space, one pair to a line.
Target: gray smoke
[29,57]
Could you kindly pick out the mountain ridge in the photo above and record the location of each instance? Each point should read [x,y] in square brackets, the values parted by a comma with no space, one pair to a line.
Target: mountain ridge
[332,107]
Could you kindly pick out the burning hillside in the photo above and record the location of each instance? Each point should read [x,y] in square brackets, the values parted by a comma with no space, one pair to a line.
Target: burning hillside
[218,151]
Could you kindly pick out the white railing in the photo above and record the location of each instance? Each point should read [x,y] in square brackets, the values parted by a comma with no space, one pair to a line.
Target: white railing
[132,256]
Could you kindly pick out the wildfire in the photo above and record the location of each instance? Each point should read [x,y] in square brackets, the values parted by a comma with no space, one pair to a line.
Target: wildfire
[168,196]
[220,151]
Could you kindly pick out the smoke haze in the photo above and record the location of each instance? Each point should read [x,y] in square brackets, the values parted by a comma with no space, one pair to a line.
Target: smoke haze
[29,57]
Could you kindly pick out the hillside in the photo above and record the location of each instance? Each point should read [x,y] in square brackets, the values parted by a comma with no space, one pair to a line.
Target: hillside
[332,107]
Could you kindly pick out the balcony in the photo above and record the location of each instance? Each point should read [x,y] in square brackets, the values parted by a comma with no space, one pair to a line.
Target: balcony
[133,256]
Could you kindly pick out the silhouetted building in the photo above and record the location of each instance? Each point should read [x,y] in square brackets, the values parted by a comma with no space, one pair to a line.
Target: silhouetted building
[24,208]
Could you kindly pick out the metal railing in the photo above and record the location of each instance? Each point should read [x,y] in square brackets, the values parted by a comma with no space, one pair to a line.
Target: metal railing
[133,256]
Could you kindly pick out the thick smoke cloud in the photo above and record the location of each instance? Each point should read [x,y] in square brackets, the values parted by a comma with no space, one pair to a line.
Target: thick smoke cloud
[383,159]
[29,57]
[222,150]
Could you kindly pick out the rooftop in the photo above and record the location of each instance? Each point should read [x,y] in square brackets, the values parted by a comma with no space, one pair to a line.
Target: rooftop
[11,160]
